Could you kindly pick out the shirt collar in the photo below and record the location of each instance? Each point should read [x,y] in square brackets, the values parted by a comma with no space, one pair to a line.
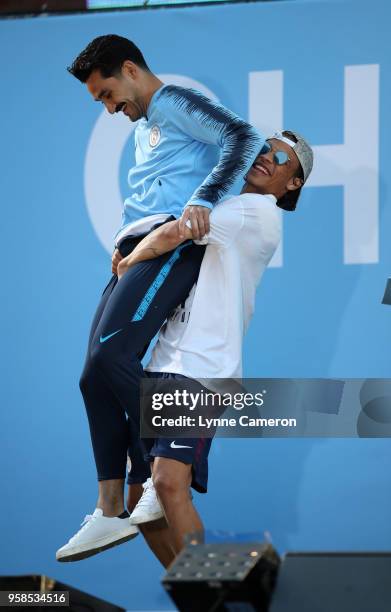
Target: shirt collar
[152,101]
[271,197]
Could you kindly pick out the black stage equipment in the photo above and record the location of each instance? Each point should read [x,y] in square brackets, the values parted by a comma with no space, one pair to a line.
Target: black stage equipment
[234,577]
[333,582]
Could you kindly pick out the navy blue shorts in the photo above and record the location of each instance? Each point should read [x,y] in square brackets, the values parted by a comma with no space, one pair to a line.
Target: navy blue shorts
[192,451]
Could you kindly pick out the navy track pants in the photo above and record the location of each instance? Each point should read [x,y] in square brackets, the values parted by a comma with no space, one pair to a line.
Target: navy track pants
[128,316]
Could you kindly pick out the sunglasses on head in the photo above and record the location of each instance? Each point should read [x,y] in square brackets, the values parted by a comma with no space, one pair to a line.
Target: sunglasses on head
[279,157]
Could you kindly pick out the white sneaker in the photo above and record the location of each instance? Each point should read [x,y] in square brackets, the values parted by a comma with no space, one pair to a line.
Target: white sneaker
[97,533]
[148,507]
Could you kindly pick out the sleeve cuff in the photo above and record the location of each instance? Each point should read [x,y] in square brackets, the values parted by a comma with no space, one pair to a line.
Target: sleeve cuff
[200,203]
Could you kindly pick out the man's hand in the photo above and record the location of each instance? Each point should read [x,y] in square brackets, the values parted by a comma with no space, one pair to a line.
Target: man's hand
[199,219]
[124,266]
[162,240]
[116,258]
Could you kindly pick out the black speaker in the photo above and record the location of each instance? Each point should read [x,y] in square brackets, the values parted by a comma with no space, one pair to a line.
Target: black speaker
[333,582]
[223,577]
[78,600]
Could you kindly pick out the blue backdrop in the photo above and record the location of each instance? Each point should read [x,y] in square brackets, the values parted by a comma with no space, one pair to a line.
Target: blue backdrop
[321,68]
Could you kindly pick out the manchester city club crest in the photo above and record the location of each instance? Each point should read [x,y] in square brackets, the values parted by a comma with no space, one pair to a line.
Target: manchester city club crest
[154,136]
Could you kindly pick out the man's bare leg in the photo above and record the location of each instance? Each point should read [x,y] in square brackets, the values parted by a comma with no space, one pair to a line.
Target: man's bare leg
[158,537]
[172,480]
[111,497]
[135,491]
[156,533]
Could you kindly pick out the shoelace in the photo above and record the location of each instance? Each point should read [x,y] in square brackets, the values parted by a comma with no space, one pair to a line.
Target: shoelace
[87,519]
[149,490]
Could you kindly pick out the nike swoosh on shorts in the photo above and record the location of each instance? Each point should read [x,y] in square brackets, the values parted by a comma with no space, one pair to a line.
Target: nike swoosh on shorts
[173,445]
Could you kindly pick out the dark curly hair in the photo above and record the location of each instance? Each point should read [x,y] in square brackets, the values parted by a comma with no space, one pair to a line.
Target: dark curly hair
[289,200]
[107,54]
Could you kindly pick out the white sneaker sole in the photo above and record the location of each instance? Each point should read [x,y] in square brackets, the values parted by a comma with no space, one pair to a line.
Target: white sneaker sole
[83,551]
[146,518]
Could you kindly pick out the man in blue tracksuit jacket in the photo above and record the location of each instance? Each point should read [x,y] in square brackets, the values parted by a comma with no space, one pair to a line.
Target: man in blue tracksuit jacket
[189,152]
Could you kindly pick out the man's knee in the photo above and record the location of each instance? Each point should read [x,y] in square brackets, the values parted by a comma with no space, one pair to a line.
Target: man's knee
[102,363]
[165,487]
[171,484]
[95,366]
[85,381]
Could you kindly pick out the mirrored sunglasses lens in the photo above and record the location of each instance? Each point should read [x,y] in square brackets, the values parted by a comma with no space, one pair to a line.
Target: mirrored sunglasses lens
[281,157]
[265,149]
